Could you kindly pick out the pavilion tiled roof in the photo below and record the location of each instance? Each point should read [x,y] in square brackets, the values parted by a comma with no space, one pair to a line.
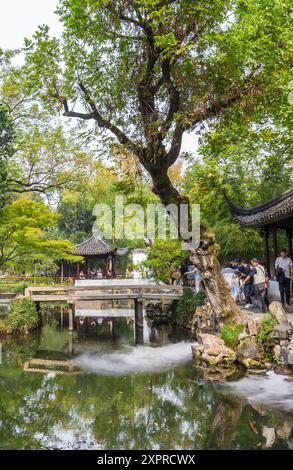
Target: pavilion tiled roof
[276,210]
[94,246]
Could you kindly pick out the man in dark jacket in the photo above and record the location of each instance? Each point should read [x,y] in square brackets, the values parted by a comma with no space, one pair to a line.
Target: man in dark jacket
[247,279]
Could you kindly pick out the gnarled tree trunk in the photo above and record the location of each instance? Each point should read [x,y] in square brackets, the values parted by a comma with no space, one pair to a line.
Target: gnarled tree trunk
[205,256]
[218,292]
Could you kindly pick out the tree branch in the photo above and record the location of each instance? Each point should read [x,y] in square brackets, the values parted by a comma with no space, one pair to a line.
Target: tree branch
[174,151]
[97,116]
[174,98]
[218,107]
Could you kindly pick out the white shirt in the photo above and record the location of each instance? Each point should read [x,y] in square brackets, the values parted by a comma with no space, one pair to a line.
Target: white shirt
[285,264]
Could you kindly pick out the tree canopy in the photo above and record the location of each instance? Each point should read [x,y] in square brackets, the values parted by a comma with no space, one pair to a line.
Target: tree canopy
[26,233]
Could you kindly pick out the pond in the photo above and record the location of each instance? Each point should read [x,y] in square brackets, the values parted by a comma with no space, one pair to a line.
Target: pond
[120,396]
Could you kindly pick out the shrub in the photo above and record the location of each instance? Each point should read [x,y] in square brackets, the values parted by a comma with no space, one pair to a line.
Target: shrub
[230,334]
[19,288]
[266,327]
[164,255]
[22,316]
[186,305]
[200,297]
[3,327]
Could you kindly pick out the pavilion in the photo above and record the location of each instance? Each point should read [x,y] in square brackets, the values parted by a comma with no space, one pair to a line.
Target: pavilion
[96,252]
[269,217]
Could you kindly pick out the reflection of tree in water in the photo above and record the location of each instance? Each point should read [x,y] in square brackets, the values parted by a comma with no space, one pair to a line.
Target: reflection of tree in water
[238,424]
[152,410]
[224,425]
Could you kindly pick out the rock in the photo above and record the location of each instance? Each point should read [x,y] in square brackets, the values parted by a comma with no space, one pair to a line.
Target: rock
[217,373]
[249,349]
[277,352]
[212,350]
[202,320]
[249,354]
[284,356]
[270,436]
[281,331]
[252,327]
[197,350]
[204,311]
[290,358]
[242,336]
[250,363]
[281,369]
[276,309]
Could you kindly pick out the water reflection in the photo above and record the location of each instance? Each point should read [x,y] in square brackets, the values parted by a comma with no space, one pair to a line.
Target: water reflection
[164,407]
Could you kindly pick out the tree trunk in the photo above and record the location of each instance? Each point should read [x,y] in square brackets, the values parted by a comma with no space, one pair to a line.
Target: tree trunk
[205,259]
[205,256]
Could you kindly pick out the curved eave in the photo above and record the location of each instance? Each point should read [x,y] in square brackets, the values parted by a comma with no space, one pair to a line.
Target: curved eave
[94,247]
[277,209]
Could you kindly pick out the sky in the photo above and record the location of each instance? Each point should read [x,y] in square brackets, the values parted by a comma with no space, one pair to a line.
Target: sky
[21,18]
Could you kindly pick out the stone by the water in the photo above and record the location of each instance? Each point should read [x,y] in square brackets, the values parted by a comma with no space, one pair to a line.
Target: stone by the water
[212,350]
[290,358]
[276,309]
[281,331]
[249,353]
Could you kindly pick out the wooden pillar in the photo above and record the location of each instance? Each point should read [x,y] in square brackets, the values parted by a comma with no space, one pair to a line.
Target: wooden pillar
[70,343]
[77,270]
[61,316]
[70,318]
[289,240]
[138,325]
[113,266]
[275,244]
[62,271]
[267,250]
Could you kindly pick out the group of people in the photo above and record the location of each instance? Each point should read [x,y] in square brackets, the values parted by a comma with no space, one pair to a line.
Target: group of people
[187,275]
[250,280]
[97,274]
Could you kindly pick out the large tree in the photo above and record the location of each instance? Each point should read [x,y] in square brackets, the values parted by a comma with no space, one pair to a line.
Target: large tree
[147,71]
[6,150]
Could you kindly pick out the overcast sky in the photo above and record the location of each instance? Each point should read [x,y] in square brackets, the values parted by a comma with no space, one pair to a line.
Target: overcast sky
[20,19]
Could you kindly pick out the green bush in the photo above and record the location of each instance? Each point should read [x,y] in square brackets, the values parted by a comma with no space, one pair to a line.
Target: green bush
[22,316]
[19,288]
[266,327]
[230,334]
[164,255]
[186,305]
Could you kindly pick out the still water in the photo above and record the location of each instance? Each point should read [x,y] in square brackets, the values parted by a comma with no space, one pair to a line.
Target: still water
[118,396]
